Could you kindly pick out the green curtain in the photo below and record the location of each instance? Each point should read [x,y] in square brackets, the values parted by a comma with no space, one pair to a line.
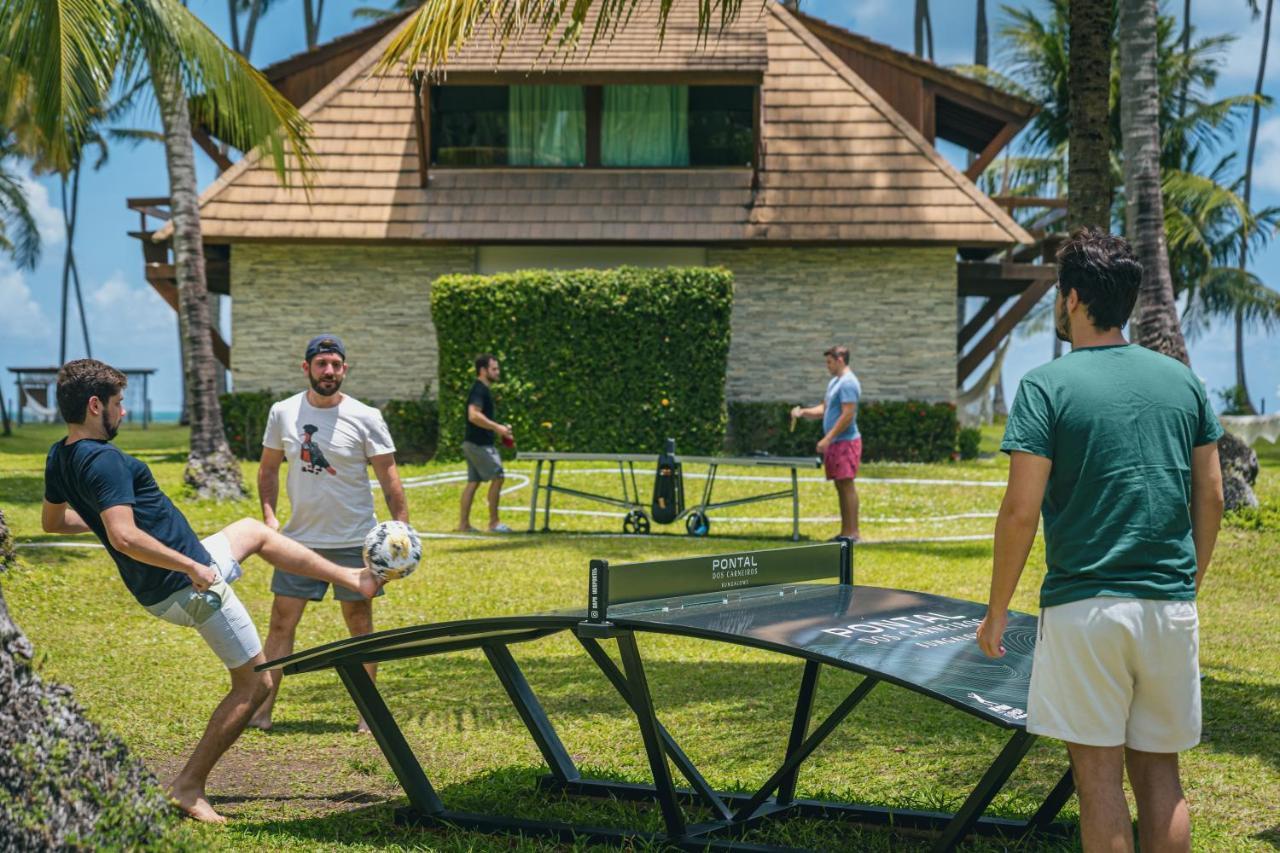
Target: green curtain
[645,126]
[548,126]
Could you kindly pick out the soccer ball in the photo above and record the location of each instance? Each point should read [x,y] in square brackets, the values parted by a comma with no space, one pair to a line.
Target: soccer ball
[392,550]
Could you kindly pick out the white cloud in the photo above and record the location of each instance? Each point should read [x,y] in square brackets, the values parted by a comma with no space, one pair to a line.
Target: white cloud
[1266,163]
[22,317]
[133,311]
[48,217]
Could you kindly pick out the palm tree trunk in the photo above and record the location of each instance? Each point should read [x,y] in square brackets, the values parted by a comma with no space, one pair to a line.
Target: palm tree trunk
[1156,314]
[255,11]
[1186,49]
[919,27]
[1089,142]
[235,25]
[980,39]
[211,469]
[1241,384]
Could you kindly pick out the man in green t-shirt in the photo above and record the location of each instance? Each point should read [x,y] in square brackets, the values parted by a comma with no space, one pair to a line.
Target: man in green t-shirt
[1116,445]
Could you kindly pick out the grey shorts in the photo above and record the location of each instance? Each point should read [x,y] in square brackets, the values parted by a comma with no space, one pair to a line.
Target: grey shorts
[483,462]
[228,630]
[297,586]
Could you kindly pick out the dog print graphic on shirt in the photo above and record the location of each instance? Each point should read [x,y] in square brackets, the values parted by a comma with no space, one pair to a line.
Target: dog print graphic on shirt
[312,457]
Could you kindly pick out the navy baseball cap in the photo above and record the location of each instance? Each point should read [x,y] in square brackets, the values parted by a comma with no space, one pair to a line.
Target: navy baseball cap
[325,343]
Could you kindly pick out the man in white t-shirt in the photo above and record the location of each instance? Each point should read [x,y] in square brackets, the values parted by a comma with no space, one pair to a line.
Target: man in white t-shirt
[330,439]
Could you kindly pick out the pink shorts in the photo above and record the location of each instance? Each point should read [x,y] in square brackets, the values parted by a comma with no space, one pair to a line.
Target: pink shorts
[842,459]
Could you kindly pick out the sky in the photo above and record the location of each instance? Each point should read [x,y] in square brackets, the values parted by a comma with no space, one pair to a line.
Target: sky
[130,326]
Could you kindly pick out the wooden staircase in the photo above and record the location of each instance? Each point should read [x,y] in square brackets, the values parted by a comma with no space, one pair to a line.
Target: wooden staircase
[161,274]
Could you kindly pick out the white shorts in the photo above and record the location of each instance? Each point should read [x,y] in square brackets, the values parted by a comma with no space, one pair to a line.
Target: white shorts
[228,630]
[1118,672]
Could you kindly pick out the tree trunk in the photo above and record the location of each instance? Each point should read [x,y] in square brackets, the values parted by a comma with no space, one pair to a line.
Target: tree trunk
[251,27]
[1241,383]
[64,785]
[980,40]
[1186,49]
[1156,314]
[212,471]
[234,16]
[919,27]
[1089,143]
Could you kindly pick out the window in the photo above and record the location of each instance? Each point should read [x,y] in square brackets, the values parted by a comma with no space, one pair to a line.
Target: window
[668,126]
[721,125]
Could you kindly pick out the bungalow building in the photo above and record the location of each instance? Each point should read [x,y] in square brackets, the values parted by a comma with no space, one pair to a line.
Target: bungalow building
[798,155]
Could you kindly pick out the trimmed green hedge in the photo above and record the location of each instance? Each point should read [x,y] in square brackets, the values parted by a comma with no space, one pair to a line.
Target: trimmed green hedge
[892,431]
[413,424]
[244,420]
[592,360]
[415,428]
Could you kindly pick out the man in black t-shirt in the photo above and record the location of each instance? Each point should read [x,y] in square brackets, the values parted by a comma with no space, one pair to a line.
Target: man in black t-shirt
[93,487]
[483,462]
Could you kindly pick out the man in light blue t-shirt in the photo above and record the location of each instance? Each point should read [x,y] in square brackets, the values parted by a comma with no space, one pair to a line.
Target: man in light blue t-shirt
[841,443]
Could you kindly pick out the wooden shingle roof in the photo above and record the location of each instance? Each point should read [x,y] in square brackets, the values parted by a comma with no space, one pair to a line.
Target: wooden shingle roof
[839,164]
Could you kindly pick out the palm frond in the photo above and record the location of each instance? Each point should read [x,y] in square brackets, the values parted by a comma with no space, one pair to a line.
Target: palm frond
[133,136]
[440,27]
[19,234]
[64,53]
[233,96]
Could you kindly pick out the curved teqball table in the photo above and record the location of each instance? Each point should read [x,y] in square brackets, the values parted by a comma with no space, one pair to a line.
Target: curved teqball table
[796,601]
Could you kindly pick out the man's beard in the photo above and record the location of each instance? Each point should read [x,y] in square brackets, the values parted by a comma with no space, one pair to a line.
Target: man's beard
[111,431]
[323,391]
[1062,323]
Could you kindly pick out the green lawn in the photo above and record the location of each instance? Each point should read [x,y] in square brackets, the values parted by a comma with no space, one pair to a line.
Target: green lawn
[313,783]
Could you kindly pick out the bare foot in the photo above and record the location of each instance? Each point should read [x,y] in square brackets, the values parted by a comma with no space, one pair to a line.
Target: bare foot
[363,727]
[262,723]
[368,583]
[194,805]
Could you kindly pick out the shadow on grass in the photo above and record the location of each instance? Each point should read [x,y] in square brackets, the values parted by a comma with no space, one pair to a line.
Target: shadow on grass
[513,792]
[1241,718]
[303,727]
[955,550]
[1270,836]
[21,489]
[339,799]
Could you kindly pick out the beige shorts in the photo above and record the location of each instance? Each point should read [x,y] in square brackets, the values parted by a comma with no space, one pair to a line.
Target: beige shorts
[227,628]
[1118,672]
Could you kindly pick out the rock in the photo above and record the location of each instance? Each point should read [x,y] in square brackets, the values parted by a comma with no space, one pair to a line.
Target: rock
[1239,472]
[64,784]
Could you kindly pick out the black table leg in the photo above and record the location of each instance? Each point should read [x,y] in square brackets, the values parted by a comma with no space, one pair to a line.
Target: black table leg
[642,702]
[532,713]
[390,739]
[985,791]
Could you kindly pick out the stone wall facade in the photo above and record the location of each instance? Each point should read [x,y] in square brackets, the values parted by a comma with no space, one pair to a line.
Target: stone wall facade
[893,307]
[376,298]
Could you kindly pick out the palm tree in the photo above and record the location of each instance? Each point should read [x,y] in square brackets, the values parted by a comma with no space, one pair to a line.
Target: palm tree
[923,29]
[19,234]
[1156,315]
[1089,160]
[1242,386]
[71,53]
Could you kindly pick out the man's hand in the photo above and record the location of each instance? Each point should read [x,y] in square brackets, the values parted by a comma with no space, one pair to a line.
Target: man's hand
[797,412]
[504,430]
[202,577]
[823,444]
[991,633]
[271,521]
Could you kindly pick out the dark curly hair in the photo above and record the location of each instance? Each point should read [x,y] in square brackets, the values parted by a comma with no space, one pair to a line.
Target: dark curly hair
[1104,271]
[84,378]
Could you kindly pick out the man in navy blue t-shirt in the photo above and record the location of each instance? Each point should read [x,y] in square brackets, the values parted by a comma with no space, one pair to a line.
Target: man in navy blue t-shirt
[93,487]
